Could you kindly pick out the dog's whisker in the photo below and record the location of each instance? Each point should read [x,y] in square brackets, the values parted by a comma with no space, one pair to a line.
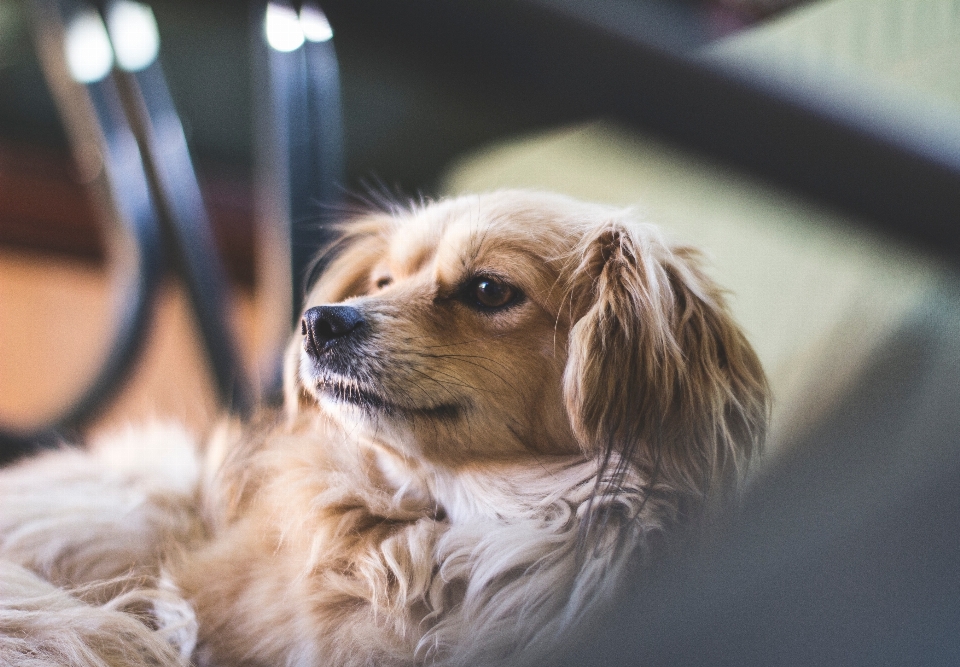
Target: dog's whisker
[453,380]
[469,341]
[467,359]
[443,384]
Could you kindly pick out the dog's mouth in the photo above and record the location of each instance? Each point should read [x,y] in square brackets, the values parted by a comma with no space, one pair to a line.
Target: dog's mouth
[349,391]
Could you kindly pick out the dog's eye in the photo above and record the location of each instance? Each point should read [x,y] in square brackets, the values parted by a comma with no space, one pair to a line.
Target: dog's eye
[383,282]
[490,293]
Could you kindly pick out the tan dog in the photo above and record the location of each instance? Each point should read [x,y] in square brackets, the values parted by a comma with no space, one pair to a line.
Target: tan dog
[495,403]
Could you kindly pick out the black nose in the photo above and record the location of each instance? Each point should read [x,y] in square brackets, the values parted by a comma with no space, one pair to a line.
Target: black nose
[323,324]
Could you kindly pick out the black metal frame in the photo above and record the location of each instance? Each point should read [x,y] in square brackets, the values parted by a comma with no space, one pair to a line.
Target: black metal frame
[147,190]
[97,124]
[299,167]
[181,211]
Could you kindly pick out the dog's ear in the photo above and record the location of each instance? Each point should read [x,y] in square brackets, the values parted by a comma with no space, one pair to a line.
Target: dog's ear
[659,376]
[348,262]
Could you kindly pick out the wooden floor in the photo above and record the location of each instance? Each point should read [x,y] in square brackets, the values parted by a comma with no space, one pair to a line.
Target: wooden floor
[55,327]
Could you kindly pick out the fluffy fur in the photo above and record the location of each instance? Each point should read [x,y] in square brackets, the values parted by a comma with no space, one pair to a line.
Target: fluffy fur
[451,483]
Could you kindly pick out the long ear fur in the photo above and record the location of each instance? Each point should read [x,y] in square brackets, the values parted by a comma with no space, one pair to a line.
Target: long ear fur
[659,376]
[361,243]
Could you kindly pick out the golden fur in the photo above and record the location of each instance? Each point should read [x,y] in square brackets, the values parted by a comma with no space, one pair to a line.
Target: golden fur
[454,484]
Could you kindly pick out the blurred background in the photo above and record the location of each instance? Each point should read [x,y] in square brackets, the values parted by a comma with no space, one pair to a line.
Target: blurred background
[812,148]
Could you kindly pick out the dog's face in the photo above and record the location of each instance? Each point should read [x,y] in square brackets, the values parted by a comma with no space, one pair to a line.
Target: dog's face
[517,324]
[437,334]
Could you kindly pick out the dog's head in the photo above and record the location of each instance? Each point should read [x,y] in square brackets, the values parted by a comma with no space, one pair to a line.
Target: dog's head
[518,324]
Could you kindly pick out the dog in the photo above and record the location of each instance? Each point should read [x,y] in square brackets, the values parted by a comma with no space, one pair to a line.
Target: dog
[494,408]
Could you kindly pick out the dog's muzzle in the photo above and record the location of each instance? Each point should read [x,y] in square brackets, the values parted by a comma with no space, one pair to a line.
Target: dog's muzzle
[324,326]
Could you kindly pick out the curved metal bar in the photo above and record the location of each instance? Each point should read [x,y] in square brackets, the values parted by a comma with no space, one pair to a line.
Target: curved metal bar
[108,152]
[131,193]
[325,132]
[129,140]
[299,152]
[181,209]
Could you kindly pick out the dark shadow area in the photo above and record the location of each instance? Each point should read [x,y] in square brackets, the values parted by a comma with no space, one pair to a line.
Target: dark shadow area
[844,553]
